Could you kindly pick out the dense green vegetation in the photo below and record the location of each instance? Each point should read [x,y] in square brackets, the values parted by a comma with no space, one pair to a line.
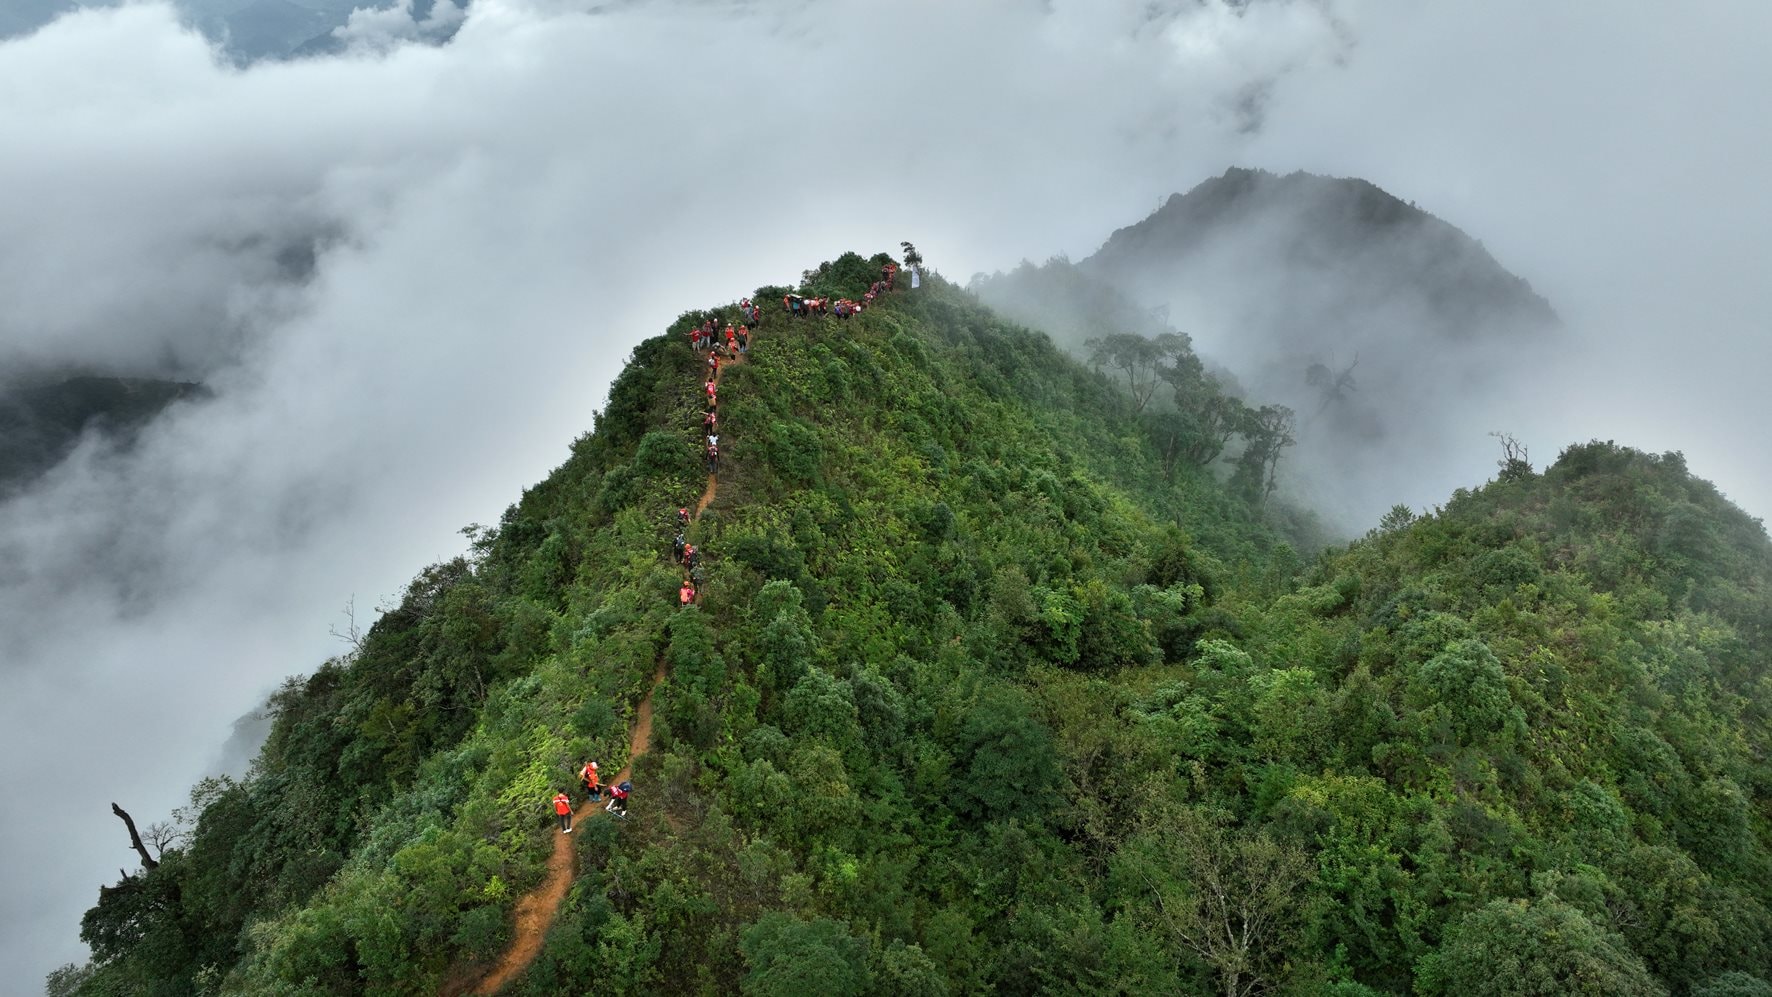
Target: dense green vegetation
[987,691]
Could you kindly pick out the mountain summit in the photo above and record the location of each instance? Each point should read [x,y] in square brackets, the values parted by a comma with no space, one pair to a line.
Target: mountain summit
[1397,339]
[1336,250]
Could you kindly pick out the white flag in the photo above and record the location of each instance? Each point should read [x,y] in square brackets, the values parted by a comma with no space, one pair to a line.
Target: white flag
[916,281]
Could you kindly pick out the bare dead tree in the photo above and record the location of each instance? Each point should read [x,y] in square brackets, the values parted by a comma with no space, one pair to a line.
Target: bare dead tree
[1515,462]
[135,840]
[352,634]
[1335,387]
[162,835]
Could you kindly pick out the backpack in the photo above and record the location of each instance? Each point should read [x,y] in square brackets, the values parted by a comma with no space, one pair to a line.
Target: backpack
[626,788]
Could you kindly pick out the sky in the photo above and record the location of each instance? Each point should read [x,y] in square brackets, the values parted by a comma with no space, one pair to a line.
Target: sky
[500,219]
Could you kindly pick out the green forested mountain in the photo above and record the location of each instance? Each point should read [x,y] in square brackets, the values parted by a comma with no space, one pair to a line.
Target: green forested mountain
[996,684]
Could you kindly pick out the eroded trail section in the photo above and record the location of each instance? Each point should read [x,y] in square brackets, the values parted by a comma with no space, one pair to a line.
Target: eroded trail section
[535,912]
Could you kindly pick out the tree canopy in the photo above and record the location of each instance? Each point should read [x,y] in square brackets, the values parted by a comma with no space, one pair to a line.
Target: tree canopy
[1004,676]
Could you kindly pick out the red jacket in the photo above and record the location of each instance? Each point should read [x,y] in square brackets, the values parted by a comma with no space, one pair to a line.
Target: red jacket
[562,805]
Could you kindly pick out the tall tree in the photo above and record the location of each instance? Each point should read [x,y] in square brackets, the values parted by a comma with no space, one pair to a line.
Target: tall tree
[1230,897]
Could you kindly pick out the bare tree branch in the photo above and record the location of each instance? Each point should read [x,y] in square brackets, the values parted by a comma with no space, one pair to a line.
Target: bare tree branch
[352,634]
[135,840]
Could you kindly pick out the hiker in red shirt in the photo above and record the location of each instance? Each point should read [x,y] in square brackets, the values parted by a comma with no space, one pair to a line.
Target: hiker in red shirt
[686,594]
[563,808]
[731,340]
[587,778]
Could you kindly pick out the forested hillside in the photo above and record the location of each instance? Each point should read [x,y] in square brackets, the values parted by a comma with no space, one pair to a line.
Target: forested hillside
[995,684]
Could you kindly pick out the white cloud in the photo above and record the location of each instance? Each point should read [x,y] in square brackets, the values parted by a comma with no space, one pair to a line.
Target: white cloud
[379,29]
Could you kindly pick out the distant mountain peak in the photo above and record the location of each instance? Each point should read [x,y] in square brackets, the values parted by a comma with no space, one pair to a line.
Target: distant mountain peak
[1377,244]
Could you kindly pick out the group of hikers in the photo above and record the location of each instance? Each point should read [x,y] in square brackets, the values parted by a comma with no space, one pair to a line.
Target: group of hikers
[683,552]
[736,338]
[800,306]
[593,791]
[720,345]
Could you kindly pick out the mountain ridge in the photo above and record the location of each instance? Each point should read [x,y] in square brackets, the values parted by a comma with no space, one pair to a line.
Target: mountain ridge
[980,690]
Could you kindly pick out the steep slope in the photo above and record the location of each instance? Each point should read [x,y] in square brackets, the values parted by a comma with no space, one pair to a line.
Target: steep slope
[979,694]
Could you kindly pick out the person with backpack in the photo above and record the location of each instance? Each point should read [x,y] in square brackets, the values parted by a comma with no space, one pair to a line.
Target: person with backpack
[709,422]
[618,799]
[689,555]
[744,338]
[683,514]
[563,810]
[713,459]
[685,596]
[587,778]
[678,542]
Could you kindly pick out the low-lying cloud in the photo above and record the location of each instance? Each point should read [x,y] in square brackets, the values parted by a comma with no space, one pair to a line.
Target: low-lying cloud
[408,273]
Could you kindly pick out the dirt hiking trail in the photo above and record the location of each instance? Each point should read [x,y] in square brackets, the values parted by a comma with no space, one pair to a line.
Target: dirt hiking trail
[534,914]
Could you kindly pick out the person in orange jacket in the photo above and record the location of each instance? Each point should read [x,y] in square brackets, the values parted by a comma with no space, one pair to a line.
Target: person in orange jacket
[587,777]
[563,809]
[686,594]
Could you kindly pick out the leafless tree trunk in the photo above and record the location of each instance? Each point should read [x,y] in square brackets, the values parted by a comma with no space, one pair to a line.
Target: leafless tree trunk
[135,840]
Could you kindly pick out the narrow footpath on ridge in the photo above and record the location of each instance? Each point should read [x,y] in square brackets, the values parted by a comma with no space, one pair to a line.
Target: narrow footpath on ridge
[534,914]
